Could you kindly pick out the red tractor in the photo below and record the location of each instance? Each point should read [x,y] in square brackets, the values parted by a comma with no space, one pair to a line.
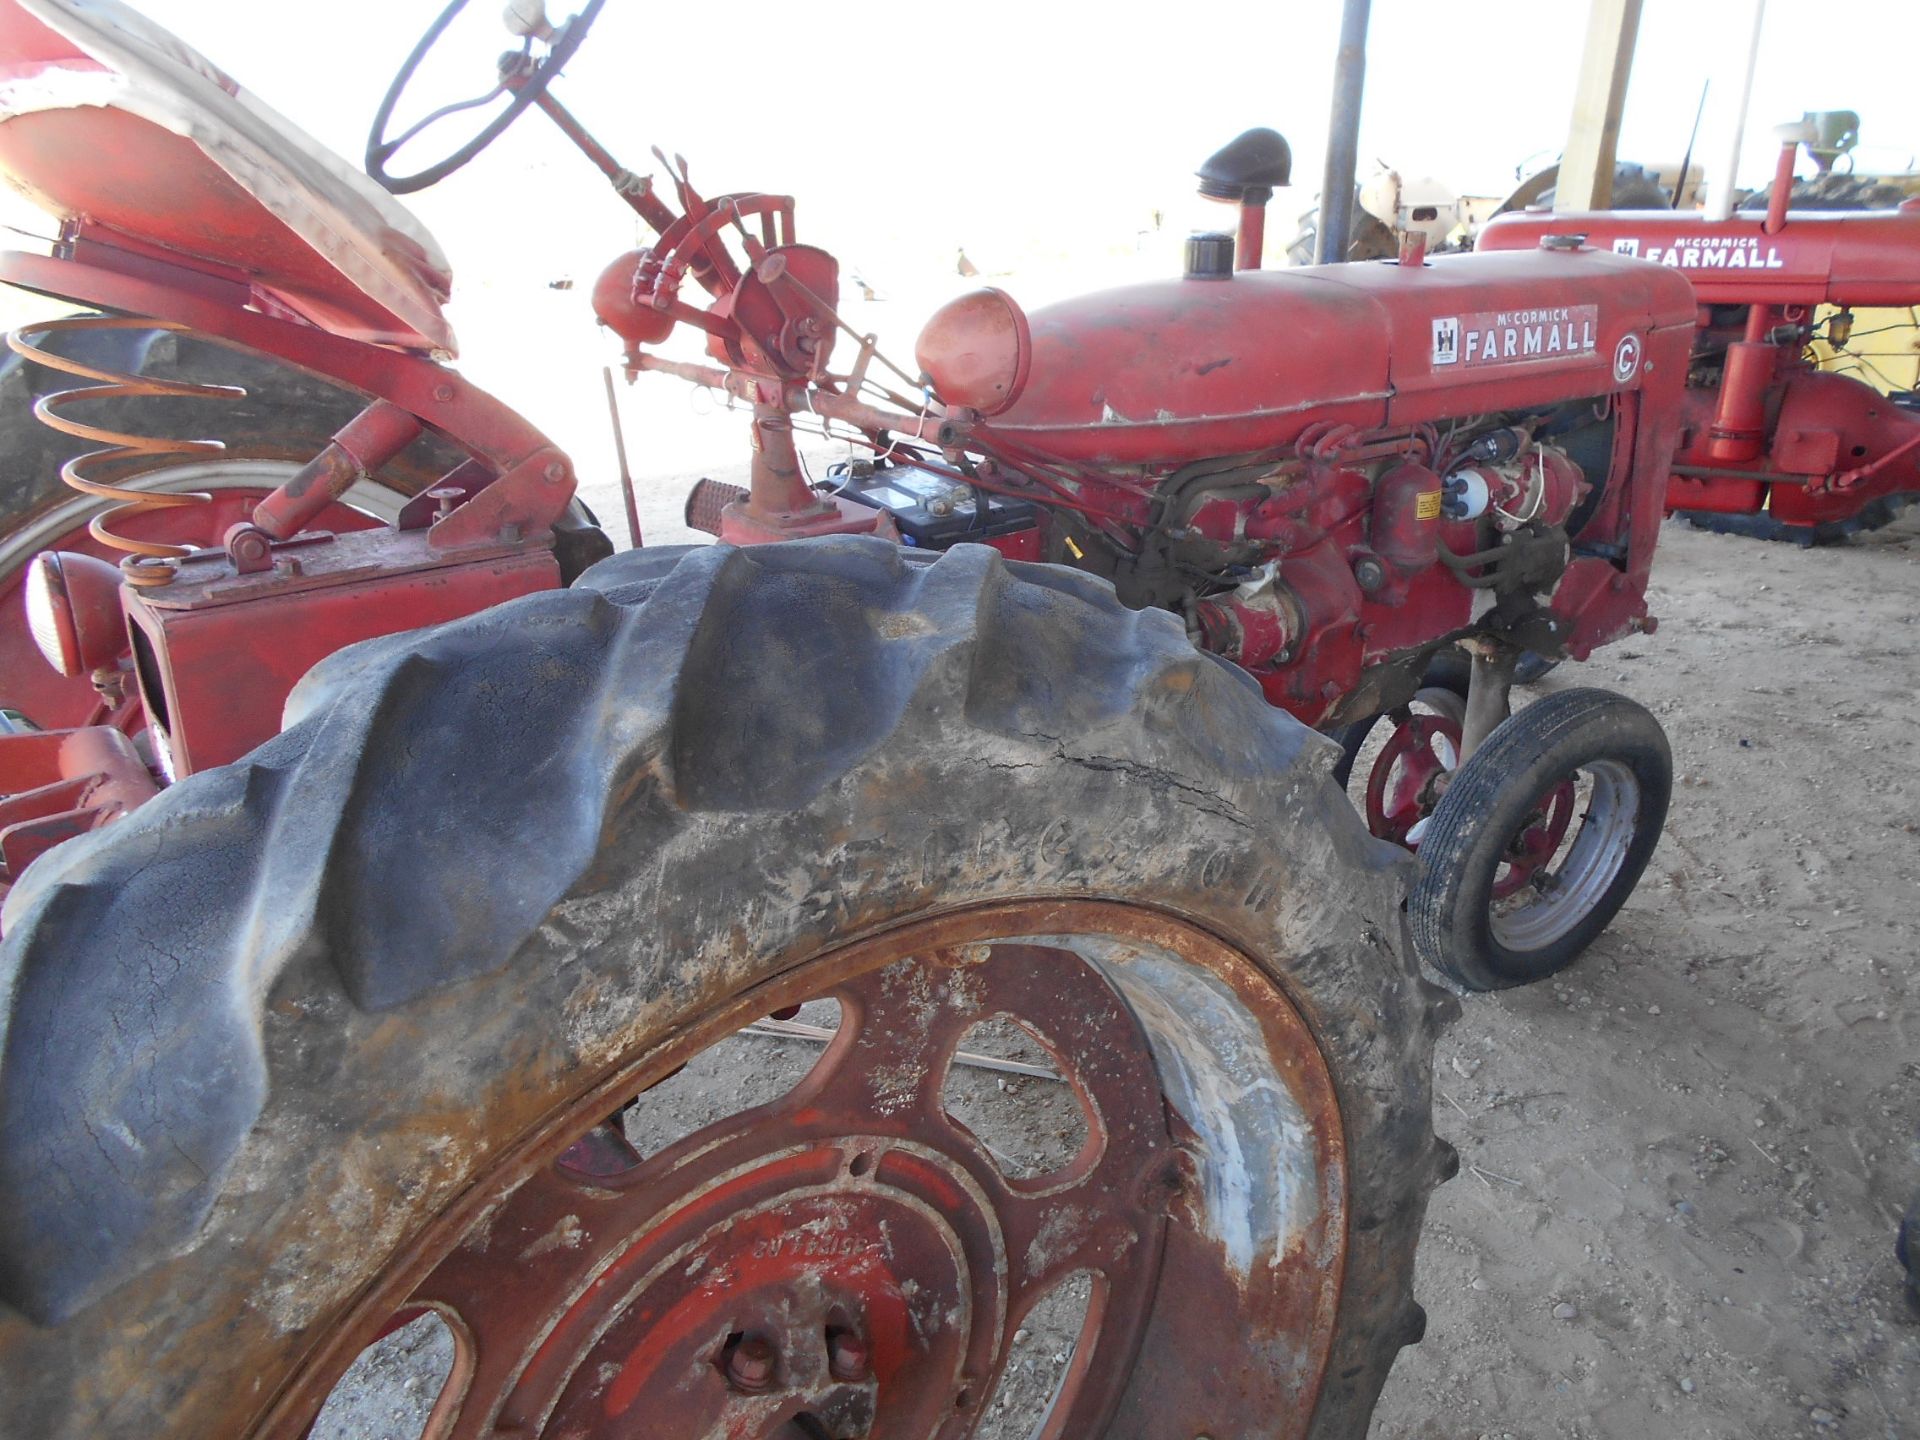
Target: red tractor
[1772,445]
[393,850]
[1336,478]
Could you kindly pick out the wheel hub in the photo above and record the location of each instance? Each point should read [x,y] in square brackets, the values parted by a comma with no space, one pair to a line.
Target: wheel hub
[798,1292]
[802,1271]
[1410,774]
[851,1260]
[1536,842]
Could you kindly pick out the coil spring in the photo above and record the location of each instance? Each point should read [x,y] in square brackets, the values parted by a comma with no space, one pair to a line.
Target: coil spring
[142,565]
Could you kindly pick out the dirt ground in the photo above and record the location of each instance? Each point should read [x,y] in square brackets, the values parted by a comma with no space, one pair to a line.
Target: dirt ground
[1682,1166]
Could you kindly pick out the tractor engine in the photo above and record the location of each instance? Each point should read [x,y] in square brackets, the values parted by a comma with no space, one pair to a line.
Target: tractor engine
[1355,547]
[1357,540]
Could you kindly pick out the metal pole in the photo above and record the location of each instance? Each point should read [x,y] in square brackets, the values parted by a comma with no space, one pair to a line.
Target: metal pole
[1343,136]
[1720,184]
[1686,160]
[620,449]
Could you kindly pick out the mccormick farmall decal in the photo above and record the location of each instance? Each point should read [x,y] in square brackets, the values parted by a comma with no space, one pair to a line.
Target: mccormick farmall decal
[1515,337]
[1705,252]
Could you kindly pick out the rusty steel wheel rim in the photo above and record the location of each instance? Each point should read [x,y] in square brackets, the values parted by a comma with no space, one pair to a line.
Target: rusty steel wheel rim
[851,1261]
[1407,773]
[1402,786]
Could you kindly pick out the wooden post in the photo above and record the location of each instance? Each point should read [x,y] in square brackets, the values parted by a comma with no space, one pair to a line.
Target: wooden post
[1599,95]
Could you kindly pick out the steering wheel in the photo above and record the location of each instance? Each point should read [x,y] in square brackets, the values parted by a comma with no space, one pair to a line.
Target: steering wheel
[526,78]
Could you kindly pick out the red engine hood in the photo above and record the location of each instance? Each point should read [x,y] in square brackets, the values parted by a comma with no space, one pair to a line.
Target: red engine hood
[1819,257]
[1179,370]
[109,121]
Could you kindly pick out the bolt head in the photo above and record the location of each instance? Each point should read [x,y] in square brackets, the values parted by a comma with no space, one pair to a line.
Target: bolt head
[443,393]
[847,1357]
[751,1366]
[555,471]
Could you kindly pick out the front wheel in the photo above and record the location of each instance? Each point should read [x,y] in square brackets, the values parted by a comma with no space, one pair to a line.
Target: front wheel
[449,1005]
[1540,838]
[1395,765]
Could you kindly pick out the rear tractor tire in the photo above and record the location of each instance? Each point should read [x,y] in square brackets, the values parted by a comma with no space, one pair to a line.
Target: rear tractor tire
[1873,515]
[1539,839]
[384,1020]
[1369,238]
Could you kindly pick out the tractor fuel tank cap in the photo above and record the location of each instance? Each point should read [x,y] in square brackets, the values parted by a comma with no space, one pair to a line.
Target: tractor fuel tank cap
[1562,242]
[1209,256]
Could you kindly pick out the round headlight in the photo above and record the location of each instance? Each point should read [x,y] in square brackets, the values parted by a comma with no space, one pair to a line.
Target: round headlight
[73,611]
[976,350]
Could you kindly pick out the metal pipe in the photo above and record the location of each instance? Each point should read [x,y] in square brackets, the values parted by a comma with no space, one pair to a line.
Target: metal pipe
[1686,159]
[1720,193]
[632,188]
[1782,190]
[1251,243]
[1489,685]
[1343,136]
[796,397]
[1719,472]
[620,452]
[363,445]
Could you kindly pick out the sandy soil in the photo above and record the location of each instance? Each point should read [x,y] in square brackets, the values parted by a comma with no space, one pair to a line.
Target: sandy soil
[1684,1163]
[1683,1167]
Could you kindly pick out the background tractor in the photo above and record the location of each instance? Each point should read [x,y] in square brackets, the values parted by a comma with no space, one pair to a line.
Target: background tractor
[1780,441]
[1387,208]
[403,844]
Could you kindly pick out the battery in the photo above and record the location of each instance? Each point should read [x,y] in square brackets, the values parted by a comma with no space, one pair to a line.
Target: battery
[931,510]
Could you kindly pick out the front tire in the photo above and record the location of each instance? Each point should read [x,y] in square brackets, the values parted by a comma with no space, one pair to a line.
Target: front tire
[1540,838]
[335,1034]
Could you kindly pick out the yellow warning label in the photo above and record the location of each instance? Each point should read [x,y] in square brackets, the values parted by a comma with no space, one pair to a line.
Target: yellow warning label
[1427,507]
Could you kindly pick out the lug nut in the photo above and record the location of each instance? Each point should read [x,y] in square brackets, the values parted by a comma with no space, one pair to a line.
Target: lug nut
[847,1357]
[751,1365]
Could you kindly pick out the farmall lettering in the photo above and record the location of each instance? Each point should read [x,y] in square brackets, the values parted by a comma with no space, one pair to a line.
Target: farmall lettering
[1706,252]
[1516,337]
